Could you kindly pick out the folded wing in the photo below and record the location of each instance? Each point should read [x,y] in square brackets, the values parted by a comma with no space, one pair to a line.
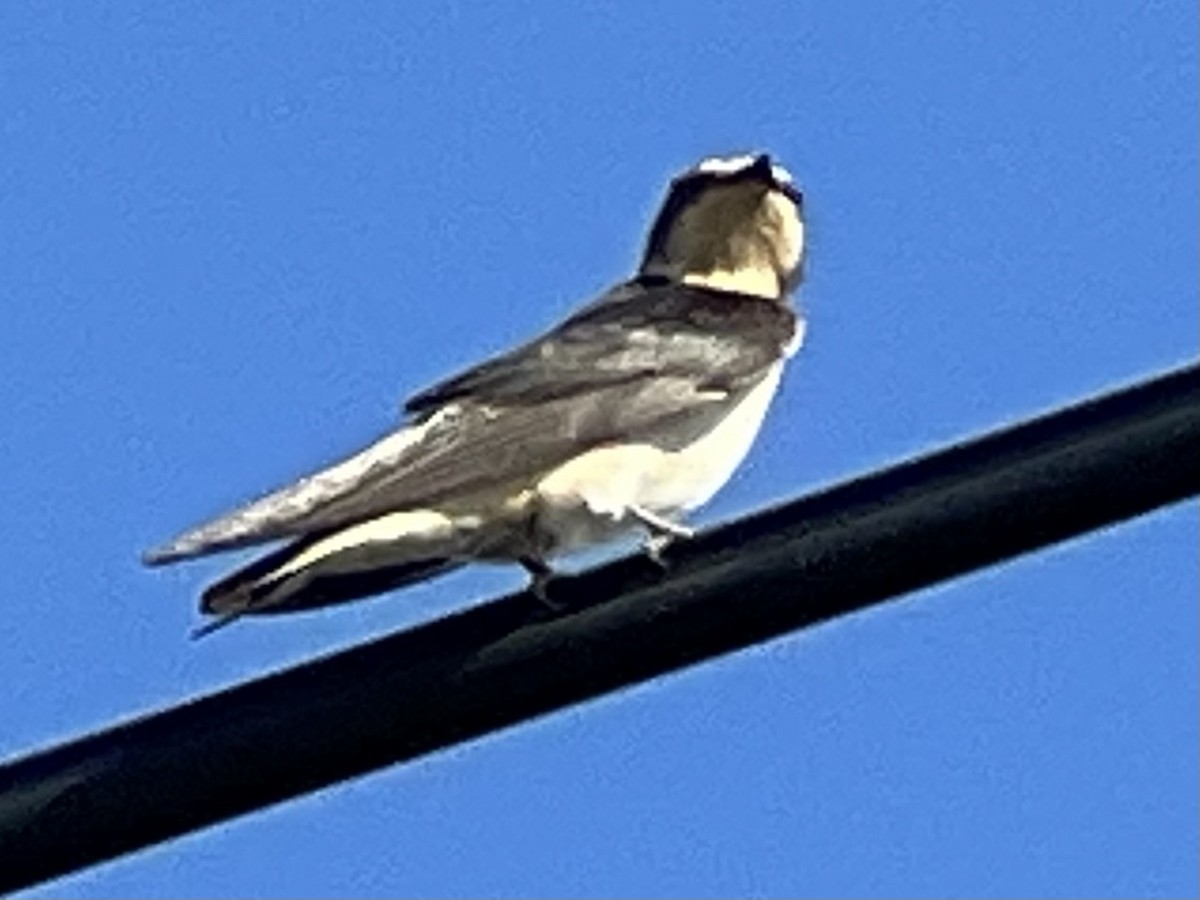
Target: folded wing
[638,359]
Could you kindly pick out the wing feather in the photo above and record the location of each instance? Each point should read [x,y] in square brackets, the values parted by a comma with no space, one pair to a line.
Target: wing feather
[626,366]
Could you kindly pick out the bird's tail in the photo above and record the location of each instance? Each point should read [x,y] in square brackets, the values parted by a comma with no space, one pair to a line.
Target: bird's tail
[268,587]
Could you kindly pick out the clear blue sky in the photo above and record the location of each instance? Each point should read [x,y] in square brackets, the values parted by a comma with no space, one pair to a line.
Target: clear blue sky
[232,239]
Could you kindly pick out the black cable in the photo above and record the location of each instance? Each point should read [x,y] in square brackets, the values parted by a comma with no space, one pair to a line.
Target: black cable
[822,556]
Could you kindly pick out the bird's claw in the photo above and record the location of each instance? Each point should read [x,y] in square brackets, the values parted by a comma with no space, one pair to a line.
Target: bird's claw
[540,576]
[663,533]
[654,547]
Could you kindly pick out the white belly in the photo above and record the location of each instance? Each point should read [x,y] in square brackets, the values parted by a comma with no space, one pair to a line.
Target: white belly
[588,499]
[687,478]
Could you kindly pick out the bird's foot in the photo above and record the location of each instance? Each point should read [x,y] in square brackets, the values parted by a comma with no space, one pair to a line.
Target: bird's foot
[654,547]
[663,533]
[540,576]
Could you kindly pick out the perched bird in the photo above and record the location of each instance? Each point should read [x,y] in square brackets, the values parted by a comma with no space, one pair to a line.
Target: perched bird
[629,414]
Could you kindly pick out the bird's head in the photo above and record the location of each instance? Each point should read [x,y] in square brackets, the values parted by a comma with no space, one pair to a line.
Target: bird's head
[732,224]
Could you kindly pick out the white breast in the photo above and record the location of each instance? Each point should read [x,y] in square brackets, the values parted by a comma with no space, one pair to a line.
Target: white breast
[687,478]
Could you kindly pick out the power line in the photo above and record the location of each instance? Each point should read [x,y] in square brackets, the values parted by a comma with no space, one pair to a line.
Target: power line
[831,553]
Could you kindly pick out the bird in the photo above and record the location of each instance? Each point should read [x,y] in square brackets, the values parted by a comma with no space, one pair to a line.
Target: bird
[622,419]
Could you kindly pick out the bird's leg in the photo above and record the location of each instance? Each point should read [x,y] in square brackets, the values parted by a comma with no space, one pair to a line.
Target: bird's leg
[663,532]
[540,576]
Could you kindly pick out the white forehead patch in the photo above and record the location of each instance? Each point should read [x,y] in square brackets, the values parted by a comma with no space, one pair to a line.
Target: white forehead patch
[728,165]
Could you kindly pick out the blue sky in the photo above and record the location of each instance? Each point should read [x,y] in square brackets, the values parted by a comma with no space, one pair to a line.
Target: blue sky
[233,238]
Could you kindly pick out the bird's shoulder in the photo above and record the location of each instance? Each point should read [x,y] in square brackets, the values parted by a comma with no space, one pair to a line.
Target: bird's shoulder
[642,328]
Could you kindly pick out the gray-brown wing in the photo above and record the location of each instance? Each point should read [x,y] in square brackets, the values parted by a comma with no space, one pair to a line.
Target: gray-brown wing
[462,450]
[620,369]
[718,338]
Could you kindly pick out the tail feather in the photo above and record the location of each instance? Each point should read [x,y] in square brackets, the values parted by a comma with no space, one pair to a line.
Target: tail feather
[258,589]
